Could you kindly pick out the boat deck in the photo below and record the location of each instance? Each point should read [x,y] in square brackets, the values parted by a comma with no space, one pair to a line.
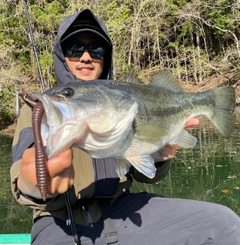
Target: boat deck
[19,239]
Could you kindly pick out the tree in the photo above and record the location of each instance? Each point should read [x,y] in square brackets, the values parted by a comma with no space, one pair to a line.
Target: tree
[193,38]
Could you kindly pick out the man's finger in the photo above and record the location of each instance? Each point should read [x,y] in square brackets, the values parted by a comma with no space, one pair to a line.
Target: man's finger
[60,163]
[192,122]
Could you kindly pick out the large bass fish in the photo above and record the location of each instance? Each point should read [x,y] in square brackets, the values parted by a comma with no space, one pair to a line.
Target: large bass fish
[129,120]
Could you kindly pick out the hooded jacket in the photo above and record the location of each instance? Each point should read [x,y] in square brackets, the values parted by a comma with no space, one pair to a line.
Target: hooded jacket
[62,73]
[94,178]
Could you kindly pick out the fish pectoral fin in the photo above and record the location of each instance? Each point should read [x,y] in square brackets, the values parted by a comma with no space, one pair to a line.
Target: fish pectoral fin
[185,140]
[149,131]
[122,168]
[144,164]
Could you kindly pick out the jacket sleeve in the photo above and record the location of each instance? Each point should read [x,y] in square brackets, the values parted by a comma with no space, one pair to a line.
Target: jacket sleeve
[18,195]
[161,172]
[23,139]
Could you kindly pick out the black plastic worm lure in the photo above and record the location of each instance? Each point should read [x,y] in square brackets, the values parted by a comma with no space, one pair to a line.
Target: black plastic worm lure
[40,155]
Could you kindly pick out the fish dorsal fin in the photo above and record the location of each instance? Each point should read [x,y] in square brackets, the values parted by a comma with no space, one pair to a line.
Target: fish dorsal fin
[165,79]
[132,77]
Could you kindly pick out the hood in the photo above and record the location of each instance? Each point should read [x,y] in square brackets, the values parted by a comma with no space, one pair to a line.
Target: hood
[62,72]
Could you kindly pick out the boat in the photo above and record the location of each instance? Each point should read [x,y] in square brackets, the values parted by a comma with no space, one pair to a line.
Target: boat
[18,239]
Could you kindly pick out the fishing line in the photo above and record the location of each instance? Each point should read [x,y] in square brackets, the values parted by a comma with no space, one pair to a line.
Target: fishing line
[68,204]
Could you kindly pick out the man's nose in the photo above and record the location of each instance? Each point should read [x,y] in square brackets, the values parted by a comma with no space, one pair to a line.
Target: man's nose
[86,56]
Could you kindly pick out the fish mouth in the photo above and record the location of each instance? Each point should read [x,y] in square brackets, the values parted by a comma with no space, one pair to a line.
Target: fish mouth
[58,118]
[52,112]
[52,117]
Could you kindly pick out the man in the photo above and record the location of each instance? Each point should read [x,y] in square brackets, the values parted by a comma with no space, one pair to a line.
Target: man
[103,209]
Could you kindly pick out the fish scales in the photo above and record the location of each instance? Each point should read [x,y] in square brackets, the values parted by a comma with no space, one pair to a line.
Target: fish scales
[164,105]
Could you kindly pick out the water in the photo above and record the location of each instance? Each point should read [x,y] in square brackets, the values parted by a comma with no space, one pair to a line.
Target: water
[209,172]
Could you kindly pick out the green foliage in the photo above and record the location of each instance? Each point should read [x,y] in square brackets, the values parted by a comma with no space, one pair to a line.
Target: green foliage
[221,18]
[185,36]
[236,76]
[187,29]
[116,18]
[47,18]
[7,106]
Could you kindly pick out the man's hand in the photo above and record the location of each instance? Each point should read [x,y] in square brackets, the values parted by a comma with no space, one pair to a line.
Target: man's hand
[60,170]
[169,151]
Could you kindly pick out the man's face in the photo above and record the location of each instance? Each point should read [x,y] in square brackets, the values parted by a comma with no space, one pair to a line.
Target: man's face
[84,67]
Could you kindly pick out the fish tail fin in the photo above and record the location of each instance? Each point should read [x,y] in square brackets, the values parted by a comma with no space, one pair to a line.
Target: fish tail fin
[222,116]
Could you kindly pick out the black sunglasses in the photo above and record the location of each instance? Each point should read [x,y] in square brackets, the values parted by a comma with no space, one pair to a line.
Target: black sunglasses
[76,50]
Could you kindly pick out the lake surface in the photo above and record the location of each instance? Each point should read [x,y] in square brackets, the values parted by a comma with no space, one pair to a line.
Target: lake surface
[209,172]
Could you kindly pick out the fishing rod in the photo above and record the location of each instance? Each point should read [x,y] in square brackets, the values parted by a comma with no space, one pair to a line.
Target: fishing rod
[36,57]
[34,46]
[70,219]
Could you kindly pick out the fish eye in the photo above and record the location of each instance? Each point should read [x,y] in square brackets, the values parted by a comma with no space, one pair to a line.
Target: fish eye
[68,92]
